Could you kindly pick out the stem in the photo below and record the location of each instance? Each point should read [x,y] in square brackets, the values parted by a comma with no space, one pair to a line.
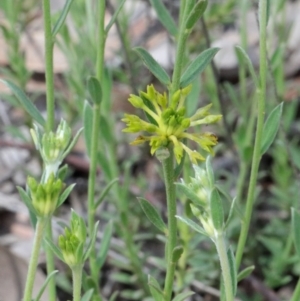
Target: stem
[38,236]
[260,121]
[225,267]
[168,170]
[77,276]
[49,65]
[94,146]
[296,294]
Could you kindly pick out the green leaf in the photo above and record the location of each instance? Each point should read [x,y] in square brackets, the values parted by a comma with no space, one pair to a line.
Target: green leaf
[88,295]
[176,253]
[88,125]
[197,66]
[62,172]
[114,296]
[105,192]
[271,127]
[296,230]
[245,273]
[195,14]
[114,17]
[183,296]
[61,20]
[216,209]
[233,272]
[105,164]
[210,172]
[73,142]
[91,244]
[243,57]
[104,246]
[153,65]
[231,211]
[54,249]
[155,289]
[95,90]
[64,195]
[26,199]
[179,167]
[192,224]
[25,102]
[190,194]
[51,275]
[153,215]
[268,10]
[164,16]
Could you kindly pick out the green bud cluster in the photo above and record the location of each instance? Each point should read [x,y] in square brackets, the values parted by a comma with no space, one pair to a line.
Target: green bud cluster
[44,196]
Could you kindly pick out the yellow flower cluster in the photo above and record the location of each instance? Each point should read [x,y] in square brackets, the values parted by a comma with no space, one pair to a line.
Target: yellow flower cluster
[168,123]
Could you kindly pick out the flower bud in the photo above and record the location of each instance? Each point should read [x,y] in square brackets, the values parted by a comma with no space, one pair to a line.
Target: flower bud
[136,101]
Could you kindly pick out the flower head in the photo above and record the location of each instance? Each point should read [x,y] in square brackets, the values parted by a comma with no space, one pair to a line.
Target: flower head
[168,123]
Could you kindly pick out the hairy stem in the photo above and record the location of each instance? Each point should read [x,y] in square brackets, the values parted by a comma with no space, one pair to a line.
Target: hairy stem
[77,278]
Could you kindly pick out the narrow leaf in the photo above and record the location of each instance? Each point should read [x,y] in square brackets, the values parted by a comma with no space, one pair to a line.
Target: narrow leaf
[104,246]
[26,199]
[105,192]
[153,65]
[88,125]
[61,20]
[233,272]
[91,244]
[245,273]
[114,296]
[114,17]
[271,127]
[38,297]
[54,249]
[243,57]
[176,254]
[95,90]
[88,295]
[25,102]
[196,13]
[192,224]
[190,194]
[64,195]
[155,289]
[183,296]
[216,209]
[296,230]
[197,66]
[73,142]
[164,16]
[231,211]
[153,215]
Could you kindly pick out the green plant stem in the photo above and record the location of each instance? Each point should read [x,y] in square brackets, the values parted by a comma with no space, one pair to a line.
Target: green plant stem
[225,267]
[49,43]
[95,144]
[77,279]
[38,236]
[296,294]
[168,170]
[259,129]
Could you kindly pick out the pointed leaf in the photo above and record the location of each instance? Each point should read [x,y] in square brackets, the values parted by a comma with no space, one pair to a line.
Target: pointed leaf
[61,20]
[72,144]
[62,172]
[245,273]
[88,295]
[88,125]
[271,127]
[104,246]
[296,230]
[197,66]
[155,289]
[179,167]
[95,90]
[195,14]
[164,16]
[26,199]
[176,254]
[183,296]
[192,224]
[54,249]
[243,57]
[230,214]
[91,244]
[153,65]
[216,209]
[105,164]
[233,272]
[25,102]
[105,192]
[190,194]
[64,195]
[114,296]
[114,17]
[153,215]
[38,297]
